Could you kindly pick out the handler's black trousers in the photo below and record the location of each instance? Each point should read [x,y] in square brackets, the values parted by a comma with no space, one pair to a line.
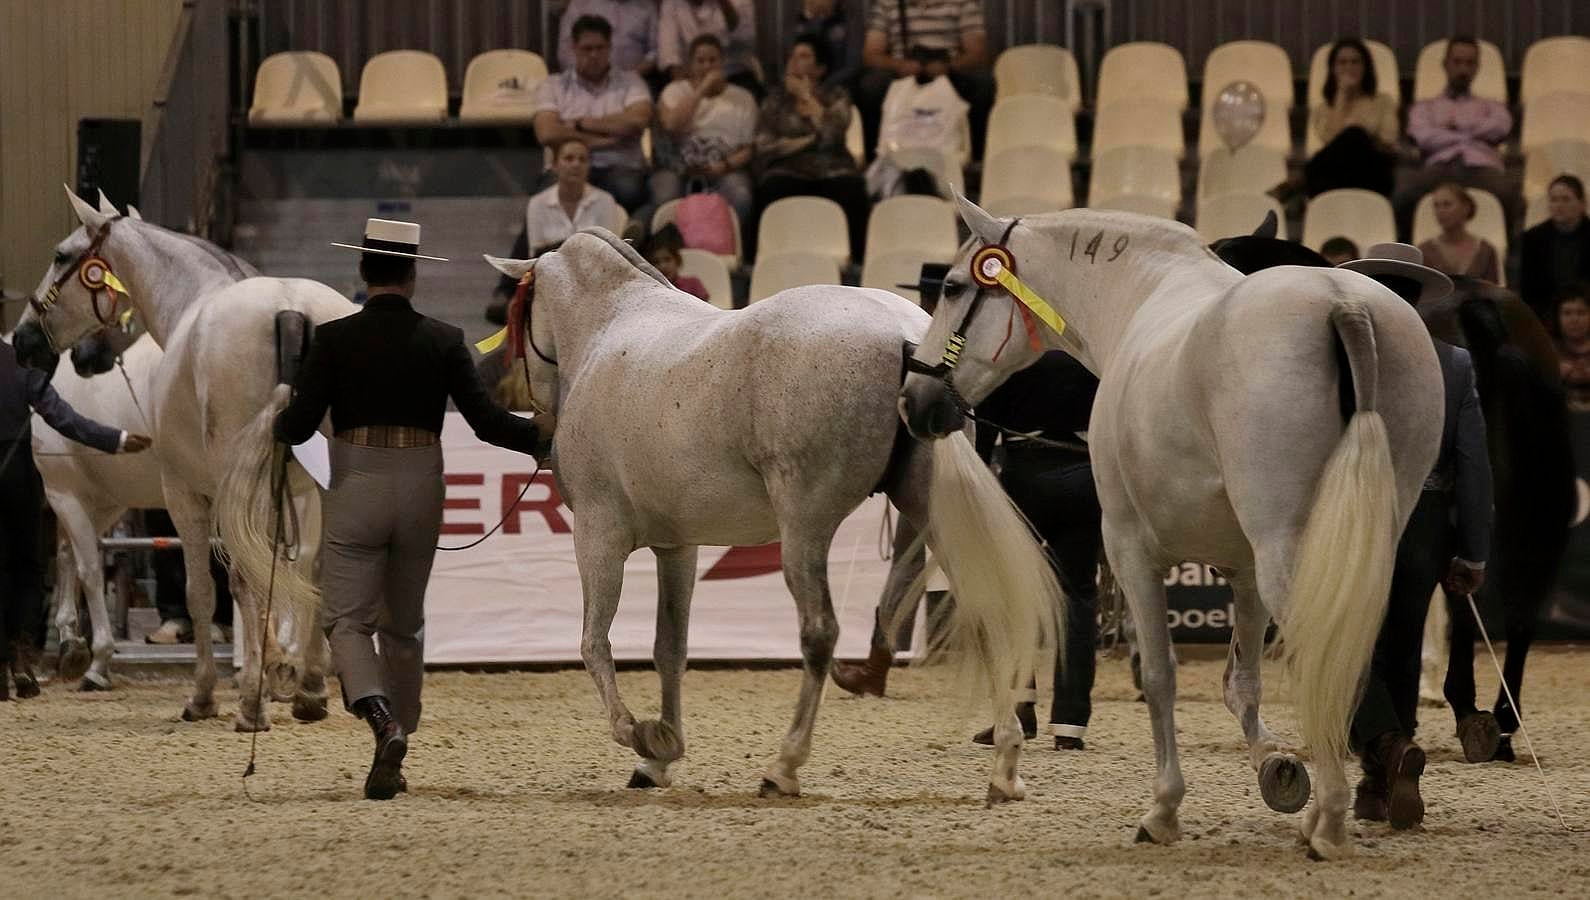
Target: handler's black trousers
[1054,489]
[1391,696]
[21,571]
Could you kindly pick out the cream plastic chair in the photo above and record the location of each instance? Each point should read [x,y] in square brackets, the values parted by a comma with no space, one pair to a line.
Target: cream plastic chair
[1549,160]
[1553,118]
[1251,170]
[1031,120]
[1231,215]
[1143,70]
[1489,221]
[296,88]
[887,271]
[947,170]
[1139,123]
[713,273]
[1039,69]
[1269,69]
[783,271]
[402,86]
[810,224]
[855,138]
[1137,203]
[1490,82]
[1388,79]
[500,86]
[1026,180]
[924,225]
[1363,216]
[1555,64]
[1140,171]
[665,214]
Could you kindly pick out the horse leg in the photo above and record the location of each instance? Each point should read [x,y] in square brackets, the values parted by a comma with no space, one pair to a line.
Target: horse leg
[251,630]
[1283,780]
[601,563]
[190,513]
[661,743]
[1435,631]
[72,659]
[1522,620]
[806,575]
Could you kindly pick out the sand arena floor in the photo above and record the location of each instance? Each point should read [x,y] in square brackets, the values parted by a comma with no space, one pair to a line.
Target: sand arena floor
[517,790]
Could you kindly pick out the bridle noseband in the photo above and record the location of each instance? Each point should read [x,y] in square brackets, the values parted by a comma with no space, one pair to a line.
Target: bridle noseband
[95,275]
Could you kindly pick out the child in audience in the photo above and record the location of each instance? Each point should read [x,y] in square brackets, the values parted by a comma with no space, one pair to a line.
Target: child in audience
[1338,250]
[664,252]
[1573,345]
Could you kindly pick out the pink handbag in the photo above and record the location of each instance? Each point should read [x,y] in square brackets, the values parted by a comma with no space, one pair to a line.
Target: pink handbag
[706,223]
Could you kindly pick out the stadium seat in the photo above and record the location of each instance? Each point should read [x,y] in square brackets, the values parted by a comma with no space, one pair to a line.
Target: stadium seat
[1267,67]
[1141,171]
[1137,203]
[665,215]
[402,86]
[809,224]
[1022,181]
[500,85]
[887,271]
[1230,215]
[1429,78]
[1363,216]
[856,139]
[1039,69]
[713,273]
[296,88]
[1553,118]
[1489,221]
[1251,170]
[1555,64]
[925,225]
[1143,70]
[1031,120]
[783,271]
[948,171]
[1554,158]
[1388,79]
[1138,123]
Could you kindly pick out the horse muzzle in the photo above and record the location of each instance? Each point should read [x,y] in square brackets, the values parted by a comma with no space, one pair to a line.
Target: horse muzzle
[928,408]
[33,347]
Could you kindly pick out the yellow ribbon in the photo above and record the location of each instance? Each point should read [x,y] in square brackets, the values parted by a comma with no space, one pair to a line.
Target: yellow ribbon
[1032,301]
[489,344]
[113,282]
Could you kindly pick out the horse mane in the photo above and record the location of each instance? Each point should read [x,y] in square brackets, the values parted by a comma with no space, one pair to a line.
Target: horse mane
[626,250]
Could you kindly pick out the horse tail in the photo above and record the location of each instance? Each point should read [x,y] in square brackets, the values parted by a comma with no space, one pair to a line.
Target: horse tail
[246,514]
[1342,582]
[1007,600]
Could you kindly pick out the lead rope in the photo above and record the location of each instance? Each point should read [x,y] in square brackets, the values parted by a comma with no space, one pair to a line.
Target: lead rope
[1518,711]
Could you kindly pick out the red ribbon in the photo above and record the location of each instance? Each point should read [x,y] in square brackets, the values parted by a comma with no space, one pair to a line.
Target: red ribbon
[516,319]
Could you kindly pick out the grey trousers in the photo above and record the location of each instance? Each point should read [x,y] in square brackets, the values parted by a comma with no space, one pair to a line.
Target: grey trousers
[382,518]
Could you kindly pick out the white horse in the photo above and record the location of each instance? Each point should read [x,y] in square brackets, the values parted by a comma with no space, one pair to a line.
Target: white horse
[212,401]
[680,424]
[1278,427]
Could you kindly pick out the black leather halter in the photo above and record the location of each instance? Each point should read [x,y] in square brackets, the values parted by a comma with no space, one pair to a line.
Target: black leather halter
[93,284]
[957,339]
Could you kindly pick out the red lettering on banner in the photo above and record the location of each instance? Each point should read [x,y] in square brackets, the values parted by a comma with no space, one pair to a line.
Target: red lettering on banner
[746,562]
[547,506]
[462,503]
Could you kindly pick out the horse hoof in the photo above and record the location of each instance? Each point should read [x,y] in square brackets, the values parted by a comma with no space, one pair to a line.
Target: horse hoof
[771,791]
[283,678]
[195,711]
[639,779]
[309,709]
[655,739]
[1323,851]
[90,684]
[1143,837]
[246,726]
[1149,832]
[27,685]
[74,659]
[998,795]
[1284,783]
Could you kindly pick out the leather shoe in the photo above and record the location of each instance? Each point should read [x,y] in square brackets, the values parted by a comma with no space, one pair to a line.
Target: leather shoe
[1369,802]
[869,677]
[23,660]
[1025,714]
[385,780]
[1404,764]
[1066,742]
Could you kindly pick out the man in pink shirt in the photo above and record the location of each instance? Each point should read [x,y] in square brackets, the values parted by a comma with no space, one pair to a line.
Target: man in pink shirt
[1458,136]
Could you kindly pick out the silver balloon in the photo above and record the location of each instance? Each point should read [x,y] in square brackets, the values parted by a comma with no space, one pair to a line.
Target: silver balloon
[1238,113]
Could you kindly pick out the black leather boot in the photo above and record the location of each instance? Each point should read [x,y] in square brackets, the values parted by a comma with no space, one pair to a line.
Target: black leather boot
[385,780]
[23,660]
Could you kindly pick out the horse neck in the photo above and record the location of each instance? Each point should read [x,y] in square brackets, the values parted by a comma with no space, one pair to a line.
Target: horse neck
[581,312]
[165,273]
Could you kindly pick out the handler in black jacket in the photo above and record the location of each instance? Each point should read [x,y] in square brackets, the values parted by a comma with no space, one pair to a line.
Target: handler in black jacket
[385,374]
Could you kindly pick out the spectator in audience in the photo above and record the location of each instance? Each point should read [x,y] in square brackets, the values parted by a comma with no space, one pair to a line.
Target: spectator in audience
[1338,250]
[1455,251]
[905,36]
[1458,136]
[634,24]
[840,25]
[1356,127]
[1556,252]
[800,144]
[569,205]
[710,126]
[665,251]
[732,22]
[605,109]
[922,115]
[1573,345]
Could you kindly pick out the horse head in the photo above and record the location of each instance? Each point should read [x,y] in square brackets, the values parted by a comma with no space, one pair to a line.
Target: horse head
[97,353]
[63,306]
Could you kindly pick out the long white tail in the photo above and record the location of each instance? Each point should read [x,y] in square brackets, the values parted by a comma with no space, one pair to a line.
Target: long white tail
[1342,580]
[1008,606]
[245,515]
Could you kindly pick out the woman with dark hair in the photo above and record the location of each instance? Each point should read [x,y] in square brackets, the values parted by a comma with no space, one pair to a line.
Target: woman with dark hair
[1556,253]
[1455,251]
[800,143]
[1356,126]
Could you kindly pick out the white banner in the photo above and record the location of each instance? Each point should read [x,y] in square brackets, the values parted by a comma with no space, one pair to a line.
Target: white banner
[516,597]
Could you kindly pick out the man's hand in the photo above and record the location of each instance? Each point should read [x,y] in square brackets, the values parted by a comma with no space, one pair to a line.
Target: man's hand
[135,443]
[713,84]
[1462,578]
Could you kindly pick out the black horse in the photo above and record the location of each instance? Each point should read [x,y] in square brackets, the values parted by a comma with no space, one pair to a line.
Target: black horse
[1527,432]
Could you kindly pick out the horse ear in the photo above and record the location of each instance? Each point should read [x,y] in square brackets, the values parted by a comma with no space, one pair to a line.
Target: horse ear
[1269,228]
[983,225]
[513,268]
[105,206]
[133,213]
[91,218]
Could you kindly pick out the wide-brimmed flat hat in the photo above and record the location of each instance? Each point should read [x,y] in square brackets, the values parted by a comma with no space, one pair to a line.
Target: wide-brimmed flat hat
[1403,261]
[930,283]
[390,238]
